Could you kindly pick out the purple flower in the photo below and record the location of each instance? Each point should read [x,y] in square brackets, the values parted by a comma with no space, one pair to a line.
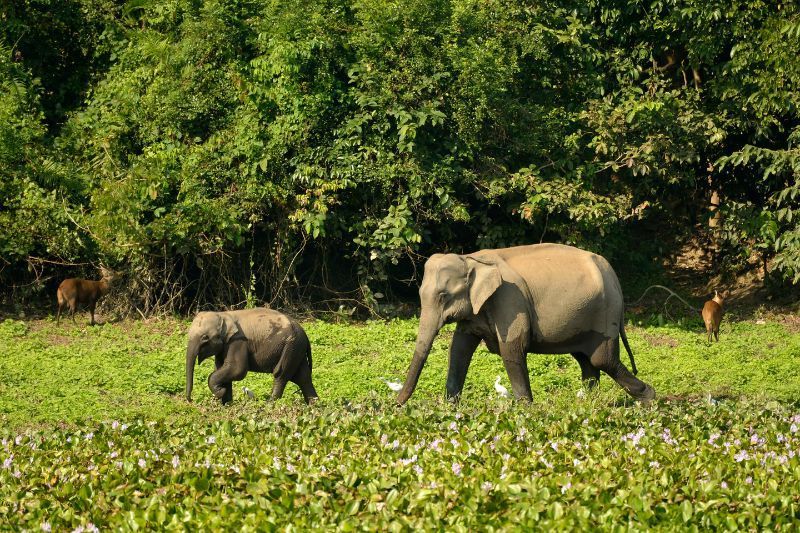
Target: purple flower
[79,529]
[723,485]
[175,461]
[566,487]
[88,436]
[412,459]
[142,463]
[18,440]
[17,474]
[384,439]
[46,526]
[793,428]
[114,424]
[654,464]
[435,445]
[91,528]
[634,437]
[748,480]
[453,426]
[554,445]
[456,469]
[487,486]
[712,438]
[8,461]
[112,455]
[666,436]
[780,437]
[741,456]
[417,469]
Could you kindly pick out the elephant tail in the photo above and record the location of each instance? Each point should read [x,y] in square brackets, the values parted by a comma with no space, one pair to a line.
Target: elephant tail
[627,346]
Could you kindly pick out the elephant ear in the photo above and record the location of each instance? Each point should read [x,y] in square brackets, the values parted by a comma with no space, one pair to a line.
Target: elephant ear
[229,327]
[484,279]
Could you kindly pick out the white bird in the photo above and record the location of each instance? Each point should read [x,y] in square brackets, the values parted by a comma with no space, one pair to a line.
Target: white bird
[249,393]
[394,385]
[502,391]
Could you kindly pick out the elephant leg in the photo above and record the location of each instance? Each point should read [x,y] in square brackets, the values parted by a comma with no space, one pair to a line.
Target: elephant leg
[227,397]
[233,368]
[606,358]
[72,309]
[516,363]
[303,379]
[716,334]
[589,374]
[91,311]
[461,351]
[277,388]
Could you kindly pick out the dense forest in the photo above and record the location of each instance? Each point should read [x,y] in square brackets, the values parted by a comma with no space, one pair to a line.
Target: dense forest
[239,151]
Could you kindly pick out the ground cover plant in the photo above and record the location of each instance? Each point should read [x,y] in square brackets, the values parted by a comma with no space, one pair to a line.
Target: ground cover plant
[95,433]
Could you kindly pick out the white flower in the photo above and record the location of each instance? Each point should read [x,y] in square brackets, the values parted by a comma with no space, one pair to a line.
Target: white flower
[142,463]
[124,427]
[576,462]
[211,440]
[487,486]
[88,436]
[453,426]
[566,487]
[236,469]
[748,480]
[92,528]
[793,428]
[46,526]
[554,445]
[175,461]
[417,469]
[456,469]
[723,485]
[654,464]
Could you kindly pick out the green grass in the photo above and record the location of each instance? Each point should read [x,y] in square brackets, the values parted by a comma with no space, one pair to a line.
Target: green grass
[562,461]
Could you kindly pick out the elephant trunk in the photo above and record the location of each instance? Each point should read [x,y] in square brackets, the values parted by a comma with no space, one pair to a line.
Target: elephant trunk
[191,357]
[429,325]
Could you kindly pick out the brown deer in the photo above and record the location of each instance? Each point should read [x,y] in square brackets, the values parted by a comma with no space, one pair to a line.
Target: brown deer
[76,291]
[712,316]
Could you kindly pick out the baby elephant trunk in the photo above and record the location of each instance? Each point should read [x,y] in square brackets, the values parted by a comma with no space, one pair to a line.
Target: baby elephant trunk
[191,357]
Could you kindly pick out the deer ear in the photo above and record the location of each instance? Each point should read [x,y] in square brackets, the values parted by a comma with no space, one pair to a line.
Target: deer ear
[484,278]
[229,327]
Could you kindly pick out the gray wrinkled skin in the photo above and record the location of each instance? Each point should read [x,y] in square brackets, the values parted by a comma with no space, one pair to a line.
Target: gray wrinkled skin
[542,298]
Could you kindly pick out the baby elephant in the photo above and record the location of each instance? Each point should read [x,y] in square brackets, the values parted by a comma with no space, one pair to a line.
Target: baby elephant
[261,340]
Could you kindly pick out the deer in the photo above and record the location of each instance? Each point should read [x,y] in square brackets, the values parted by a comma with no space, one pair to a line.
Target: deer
[76,291]
[712,315]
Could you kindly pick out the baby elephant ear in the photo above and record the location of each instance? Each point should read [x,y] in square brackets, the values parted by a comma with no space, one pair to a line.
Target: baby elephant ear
[484,279]
[229,327]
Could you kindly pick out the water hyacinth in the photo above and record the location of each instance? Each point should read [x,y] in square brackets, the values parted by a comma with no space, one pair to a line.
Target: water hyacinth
[294,485]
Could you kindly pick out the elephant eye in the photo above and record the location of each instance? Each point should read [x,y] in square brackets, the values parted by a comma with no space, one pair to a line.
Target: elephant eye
[204,337]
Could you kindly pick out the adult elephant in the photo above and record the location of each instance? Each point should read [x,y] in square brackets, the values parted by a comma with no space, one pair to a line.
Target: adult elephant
[258,340]
[542,298]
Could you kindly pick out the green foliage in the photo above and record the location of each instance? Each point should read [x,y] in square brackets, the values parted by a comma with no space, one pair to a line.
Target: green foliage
[111,442]
[231,151]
